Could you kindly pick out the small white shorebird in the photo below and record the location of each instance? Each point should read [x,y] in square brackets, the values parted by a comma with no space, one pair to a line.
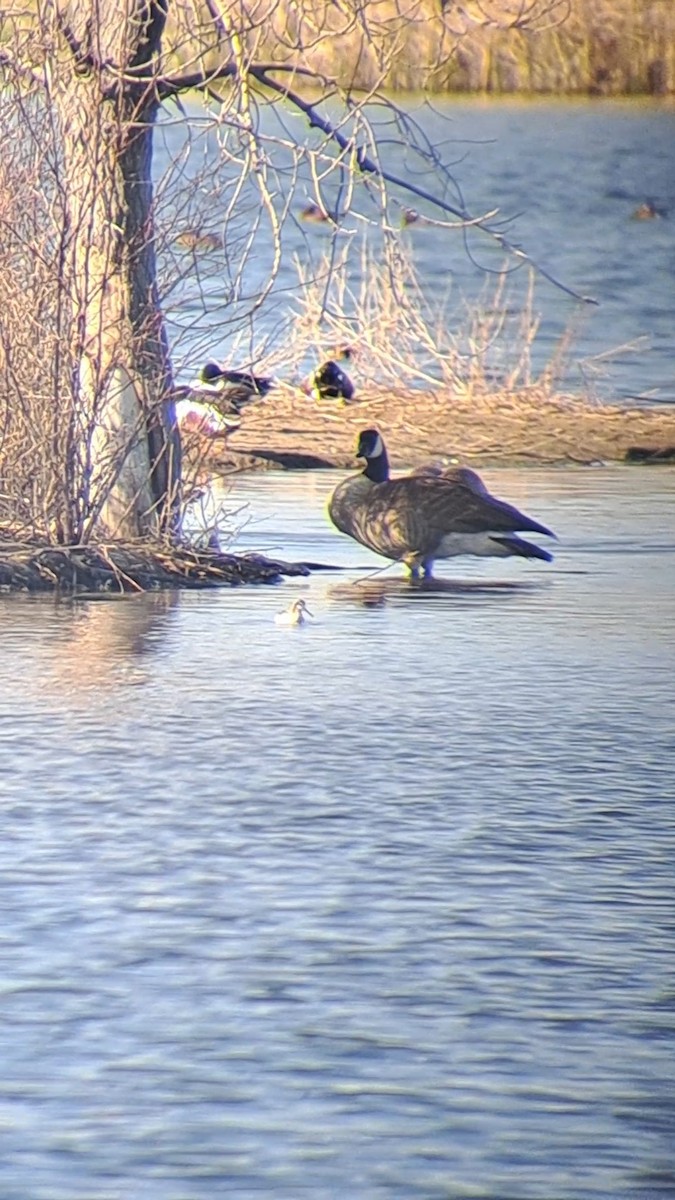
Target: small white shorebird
[294,614]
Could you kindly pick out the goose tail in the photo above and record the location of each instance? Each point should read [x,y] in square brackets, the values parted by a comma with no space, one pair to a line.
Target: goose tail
[517,545]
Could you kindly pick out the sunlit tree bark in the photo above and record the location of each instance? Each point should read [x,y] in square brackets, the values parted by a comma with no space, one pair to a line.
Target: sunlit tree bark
[105,104]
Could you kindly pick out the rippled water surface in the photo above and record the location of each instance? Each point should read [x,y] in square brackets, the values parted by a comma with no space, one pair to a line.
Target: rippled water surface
[378,907]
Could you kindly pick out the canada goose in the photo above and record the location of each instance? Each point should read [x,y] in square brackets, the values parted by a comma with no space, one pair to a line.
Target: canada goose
[229,391]
[330,382]
[436,512]
[294,614]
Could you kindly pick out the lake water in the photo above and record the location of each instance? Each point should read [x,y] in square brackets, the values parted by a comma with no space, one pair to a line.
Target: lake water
[377,907]
[566,177]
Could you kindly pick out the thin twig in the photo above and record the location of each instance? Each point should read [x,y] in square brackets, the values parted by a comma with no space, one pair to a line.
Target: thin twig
[366,164]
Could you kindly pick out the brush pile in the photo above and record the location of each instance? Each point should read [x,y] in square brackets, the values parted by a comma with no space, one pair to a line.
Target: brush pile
[117,568]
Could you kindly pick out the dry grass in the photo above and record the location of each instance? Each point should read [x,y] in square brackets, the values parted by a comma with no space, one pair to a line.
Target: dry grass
[607,47]
[400,335]
[476,398]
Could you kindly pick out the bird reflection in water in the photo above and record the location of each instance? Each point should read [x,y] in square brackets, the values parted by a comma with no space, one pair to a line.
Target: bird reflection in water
[376,593]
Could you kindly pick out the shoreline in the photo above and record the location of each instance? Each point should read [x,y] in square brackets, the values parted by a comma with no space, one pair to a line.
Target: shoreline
[287,430]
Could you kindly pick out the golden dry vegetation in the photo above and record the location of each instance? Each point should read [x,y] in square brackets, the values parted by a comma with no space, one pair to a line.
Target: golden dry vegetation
[601,47]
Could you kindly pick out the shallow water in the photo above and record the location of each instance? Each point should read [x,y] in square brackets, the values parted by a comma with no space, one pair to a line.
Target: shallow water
[377,907]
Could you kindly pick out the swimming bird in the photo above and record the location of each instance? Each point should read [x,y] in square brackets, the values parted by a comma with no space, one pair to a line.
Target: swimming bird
[294,614]
[647,211]
[435,512]
[229,390]
[330,382]
[194,239]
[315,214]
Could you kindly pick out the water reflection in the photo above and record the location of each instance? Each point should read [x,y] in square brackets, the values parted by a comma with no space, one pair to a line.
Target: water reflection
[88,644]
[375,593]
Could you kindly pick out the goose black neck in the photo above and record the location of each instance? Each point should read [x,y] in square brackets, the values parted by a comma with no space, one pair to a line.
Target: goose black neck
[377,468]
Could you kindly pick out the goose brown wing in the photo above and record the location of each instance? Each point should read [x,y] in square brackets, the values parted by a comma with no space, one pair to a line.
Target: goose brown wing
[432,506]
[412,515]
[391,522]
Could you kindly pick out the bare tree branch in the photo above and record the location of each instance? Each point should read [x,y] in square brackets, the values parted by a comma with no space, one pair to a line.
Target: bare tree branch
[171,85]
[368,166]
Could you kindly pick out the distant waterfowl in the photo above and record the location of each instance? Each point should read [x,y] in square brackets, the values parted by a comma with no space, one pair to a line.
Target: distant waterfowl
[295,614]
[330,382]
[317,215]
[410,216]
[435,512]
[647,212]
[229,390]
[221,378]
[194,239]
[439,469]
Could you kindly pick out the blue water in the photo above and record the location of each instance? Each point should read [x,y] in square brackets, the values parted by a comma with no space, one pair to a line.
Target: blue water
[377,907]
[566,178]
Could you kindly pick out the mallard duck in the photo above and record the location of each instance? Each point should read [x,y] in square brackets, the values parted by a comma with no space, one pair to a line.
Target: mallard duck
[193,416]
[330,382]
[436,512]
[229,391]
[317,215]
[194,239]
[295,614]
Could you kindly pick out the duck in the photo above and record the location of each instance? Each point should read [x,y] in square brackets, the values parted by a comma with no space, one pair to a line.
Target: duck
[315,214]
[195,417]
[194,239]
[433,513]
[230,390]
[330,382]
[647,211]
[295,614]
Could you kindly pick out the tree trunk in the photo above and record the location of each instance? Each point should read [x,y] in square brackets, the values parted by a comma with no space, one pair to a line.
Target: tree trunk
[106,114]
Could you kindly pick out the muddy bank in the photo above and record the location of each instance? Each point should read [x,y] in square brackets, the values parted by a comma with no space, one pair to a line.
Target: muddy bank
[288,430]
[118,569]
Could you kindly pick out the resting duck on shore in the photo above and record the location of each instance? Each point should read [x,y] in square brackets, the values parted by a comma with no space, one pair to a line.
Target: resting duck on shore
[330,382]
[195,417]
[436,512]
[230,390]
